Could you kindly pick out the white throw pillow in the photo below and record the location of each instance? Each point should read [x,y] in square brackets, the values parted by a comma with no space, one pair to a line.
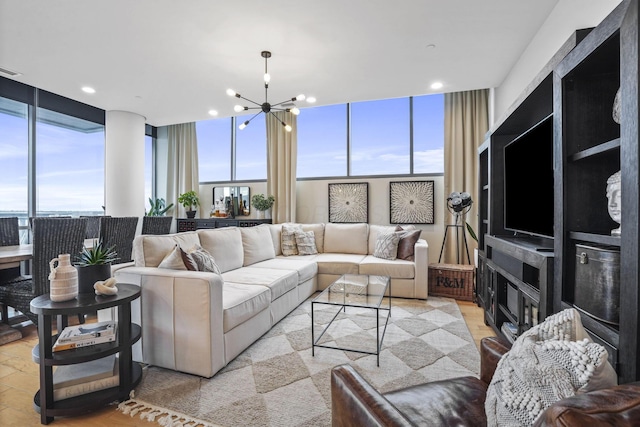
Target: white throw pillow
[289,245]
[549,362]
[387,246]
[306,243]
[257,244]
[173,260]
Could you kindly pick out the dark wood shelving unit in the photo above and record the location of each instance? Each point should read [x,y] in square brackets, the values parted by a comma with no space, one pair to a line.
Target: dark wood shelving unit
[130,373]
[193,224]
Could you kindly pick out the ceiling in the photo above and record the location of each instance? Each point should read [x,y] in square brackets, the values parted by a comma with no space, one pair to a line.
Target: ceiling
[172,61]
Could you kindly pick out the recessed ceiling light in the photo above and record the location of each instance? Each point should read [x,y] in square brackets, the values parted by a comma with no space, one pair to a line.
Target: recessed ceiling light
[87,89]
[311,99]
[436,85]
[213,113]
[430,46]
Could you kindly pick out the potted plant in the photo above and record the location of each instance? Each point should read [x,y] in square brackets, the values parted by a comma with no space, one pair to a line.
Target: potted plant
[262,203]
[190,201]
[158,207]
[93,265]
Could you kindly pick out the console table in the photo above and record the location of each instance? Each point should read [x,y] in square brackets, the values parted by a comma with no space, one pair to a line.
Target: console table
[190,224]
[128,333]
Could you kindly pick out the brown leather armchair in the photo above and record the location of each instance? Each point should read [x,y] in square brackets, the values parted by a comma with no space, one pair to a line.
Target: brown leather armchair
[460,401]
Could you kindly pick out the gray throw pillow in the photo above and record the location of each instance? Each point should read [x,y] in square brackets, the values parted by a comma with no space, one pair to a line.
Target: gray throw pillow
[387,246]
[203,259]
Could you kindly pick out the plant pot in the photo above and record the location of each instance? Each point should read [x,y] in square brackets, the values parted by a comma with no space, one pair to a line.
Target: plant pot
[191,214]
[88,275]
[259,214]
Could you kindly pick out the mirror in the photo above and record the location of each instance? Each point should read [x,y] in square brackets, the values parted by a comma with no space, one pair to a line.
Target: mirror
[223,198]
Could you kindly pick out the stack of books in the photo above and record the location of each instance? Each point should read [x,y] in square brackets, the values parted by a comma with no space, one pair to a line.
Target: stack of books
[510,331]
[81,378]
[84,335]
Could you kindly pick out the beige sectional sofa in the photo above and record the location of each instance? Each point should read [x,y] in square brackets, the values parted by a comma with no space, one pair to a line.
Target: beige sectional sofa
[197,322]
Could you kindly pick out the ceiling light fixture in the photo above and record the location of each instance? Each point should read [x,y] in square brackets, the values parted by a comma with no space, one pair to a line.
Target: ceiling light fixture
[436,85]
[266,107]
[88,89]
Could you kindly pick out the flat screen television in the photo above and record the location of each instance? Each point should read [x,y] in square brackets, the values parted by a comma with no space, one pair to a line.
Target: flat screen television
[528,181]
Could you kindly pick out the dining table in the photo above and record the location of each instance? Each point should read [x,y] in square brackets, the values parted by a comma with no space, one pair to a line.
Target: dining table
[12,256]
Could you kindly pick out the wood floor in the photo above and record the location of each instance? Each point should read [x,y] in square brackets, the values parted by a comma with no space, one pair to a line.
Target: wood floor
[19,380]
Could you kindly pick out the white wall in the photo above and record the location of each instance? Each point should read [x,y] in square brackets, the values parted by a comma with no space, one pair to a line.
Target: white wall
[567,17]
[312,204]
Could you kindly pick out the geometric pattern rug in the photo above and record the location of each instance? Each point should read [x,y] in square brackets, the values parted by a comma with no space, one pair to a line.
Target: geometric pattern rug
[277,382]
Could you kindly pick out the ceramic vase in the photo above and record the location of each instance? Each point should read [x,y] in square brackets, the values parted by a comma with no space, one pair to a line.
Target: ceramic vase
[63,279]
[259,214]
[88,275]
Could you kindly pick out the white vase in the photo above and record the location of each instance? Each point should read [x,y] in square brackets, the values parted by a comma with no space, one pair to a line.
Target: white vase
[63,279]
[259,214]
[267,214]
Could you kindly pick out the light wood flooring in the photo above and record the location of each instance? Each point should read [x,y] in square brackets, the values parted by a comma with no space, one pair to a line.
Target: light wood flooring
[19,380]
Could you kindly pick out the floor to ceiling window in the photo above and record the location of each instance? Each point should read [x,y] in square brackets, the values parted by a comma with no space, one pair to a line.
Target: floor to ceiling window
[428,134]
[251,151]
[214,149]
[322,141]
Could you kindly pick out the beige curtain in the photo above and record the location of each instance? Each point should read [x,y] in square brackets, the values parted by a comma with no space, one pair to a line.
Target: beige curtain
[182,170]
[466,121]
[282,157]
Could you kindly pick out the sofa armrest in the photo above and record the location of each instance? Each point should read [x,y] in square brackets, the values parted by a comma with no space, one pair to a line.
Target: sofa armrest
[614,406]
[421,259]
[181,315]
[354,402]
[491,350]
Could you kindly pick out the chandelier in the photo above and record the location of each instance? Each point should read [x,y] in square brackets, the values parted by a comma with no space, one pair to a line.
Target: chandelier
[266,107]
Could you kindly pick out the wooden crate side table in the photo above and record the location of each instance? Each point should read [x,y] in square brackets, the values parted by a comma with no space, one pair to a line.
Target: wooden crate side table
[128,334]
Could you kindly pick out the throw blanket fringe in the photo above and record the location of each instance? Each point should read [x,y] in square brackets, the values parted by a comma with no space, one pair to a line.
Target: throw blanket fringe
[162,416]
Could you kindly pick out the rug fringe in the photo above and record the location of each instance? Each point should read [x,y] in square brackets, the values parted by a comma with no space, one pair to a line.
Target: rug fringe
[161,416]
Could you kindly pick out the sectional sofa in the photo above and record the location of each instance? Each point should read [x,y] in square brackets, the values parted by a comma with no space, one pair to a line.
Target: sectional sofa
[197,321]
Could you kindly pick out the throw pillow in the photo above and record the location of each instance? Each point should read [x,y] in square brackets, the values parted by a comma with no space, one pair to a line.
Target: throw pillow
[387,246]
[188,261]
[408,239]
[173,260]
[203,259]
[306,242]
[549,362]
[289,245]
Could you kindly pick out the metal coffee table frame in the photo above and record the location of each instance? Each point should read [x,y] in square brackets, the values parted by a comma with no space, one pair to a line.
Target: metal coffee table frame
[358,291]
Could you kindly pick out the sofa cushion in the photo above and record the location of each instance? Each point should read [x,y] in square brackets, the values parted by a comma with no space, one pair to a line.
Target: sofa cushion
[276,237]
[330,263]
[396,269]
[241,302]
[374,232]
[225,245]
[547,363]
[303,265]
[306,242]
[346,238]
[387,246]
[149,250]
[173,260]
[288,242]
[257,244]
[277,280]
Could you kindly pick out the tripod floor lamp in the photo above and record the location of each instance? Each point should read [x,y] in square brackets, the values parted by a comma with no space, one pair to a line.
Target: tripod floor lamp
[458,204]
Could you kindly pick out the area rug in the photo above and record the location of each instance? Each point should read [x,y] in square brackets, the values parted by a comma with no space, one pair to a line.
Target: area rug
[277,381]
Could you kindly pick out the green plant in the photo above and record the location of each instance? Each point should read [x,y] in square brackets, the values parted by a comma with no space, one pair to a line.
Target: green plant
[471,232]
[189,200]
[262,203]
[96,255]
[158,207]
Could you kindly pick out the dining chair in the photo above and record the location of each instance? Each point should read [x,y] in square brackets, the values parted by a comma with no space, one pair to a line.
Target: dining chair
[93,226]
[156,224]
[9,236]
[51,237]
[119,232]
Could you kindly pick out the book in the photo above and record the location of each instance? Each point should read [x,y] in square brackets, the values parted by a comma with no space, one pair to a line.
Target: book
[87,331]
[68,375]
[88,387]
[84,343]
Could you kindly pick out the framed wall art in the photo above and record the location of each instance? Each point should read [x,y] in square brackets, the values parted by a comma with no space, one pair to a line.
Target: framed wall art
[349,202]
[411,202]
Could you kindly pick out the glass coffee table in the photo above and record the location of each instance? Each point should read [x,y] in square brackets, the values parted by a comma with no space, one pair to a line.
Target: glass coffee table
[359,291]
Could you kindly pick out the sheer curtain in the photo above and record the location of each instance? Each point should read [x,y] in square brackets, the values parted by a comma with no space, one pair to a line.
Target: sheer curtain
[182,170]
[466,121]
[282,159]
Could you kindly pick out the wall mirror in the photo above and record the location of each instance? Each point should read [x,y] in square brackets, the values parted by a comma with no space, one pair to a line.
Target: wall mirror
[226,195]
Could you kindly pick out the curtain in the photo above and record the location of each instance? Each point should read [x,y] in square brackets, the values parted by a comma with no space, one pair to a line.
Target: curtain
[182,170]
[466,121]
[282,158]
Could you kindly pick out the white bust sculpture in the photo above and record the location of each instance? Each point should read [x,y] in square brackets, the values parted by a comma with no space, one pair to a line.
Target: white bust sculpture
[614,194]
